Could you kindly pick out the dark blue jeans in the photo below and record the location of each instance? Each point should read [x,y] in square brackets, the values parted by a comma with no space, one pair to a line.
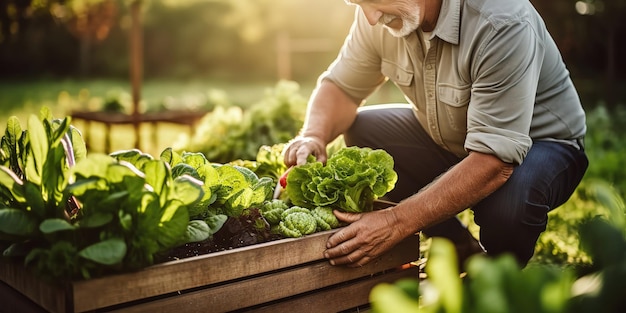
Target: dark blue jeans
[510,219]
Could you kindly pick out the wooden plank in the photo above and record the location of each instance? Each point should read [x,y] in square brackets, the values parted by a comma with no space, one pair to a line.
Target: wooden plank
[278,285]
[198,271]
[14,301]
[338,298]
[52,299]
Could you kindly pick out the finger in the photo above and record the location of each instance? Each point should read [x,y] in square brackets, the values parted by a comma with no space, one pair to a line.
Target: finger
[356,258]
[341,237]
[289,154]
[302,153]
[347,217]
[364,260]
[341,254]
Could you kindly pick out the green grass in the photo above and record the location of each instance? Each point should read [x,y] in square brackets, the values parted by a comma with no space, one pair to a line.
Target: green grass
[23,98]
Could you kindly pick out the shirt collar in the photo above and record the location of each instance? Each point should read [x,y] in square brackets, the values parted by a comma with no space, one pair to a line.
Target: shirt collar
[449,21]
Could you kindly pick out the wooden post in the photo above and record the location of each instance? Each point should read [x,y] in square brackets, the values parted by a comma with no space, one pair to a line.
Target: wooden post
[136,65]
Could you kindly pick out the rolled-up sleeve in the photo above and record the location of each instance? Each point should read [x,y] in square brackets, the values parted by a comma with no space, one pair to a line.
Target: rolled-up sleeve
[505,73]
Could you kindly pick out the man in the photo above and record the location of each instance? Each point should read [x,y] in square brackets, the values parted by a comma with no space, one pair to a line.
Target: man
[494,123]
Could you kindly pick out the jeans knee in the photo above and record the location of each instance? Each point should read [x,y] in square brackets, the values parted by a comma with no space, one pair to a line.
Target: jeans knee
[512,230]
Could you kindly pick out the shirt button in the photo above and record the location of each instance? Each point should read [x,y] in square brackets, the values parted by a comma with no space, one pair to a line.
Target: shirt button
[429,67]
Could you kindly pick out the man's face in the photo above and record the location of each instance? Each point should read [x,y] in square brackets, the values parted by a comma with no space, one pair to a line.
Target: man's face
[399,17]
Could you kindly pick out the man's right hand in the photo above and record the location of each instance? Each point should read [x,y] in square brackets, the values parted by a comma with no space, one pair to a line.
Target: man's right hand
[298,150]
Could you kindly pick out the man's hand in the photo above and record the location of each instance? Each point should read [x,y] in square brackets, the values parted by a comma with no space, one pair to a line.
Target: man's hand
[367,237]
[299,149]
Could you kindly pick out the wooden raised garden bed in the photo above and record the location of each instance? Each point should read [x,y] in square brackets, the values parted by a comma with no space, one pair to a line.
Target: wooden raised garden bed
[282,275]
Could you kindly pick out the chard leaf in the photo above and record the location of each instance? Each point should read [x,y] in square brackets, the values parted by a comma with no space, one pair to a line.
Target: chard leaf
[52,225]
[10,143]
[57,129]
[240,201]
[119,172]
[263,190]
[126,220]
[215,222]
[157,175]
[195,159]
[96,219]
[197,230]
[96,165]
[187,189]
[11,185]
[108,252]
[85,185]
[132,156]
[78,144]
[54,176]
[231,181]
[45,113]
[170,157]
[184,169]
[34,199]
[173,225]
[17,222]
[211,178]
[250,176]
[39,145]
[115,198]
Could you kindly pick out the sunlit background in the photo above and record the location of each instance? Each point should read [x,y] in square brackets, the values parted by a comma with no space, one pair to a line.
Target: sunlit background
[172,54]
[240,39]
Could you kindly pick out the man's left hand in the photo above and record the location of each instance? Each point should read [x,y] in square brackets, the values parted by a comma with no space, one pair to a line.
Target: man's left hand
[367,237]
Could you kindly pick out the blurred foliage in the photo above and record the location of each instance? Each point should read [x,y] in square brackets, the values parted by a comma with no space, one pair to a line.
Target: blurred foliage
[499,285]
[231,133]
[560,243]
[606,145]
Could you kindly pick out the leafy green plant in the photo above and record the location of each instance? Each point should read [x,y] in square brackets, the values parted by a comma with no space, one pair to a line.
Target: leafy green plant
[605,145]
[33,176]
[351,180]
[297,221]
[232,133]
[95,217]
[560,243]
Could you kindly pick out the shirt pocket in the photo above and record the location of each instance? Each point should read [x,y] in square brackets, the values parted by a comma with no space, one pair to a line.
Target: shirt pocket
[396,74]
[455,100]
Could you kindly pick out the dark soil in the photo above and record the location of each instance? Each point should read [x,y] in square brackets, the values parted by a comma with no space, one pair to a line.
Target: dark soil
[236,233]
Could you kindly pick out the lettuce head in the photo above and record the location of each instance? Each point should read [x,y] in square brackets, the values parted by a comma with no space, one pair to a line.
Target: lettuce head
[351,180]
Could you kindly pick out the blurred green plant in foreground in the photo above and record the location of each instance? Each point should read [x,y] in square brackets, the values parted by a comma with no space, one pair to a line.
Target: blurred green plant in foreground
[500,285]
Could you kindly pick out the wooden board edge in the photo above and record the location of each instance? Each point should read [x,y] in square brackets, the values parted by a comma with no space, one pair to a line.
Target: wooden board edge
[342,297]
[276,285]
[50,298]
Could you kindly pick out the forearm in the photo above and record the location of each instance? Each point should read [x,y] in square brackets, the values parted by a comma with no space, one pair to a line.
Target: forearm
[329,114]
[464,185]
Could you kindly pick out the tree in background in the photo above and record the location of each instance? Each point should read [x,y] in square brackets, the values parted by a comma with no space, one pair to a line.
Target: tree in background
[90,21]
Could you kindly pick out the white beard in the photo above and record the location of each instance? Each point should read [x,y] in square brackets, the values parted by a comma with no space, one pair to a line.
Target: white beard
[410,23]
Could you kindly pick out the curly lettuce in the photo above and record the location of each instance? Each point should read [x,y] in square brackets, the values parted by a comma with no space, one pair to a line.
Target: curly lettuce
[350,181]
